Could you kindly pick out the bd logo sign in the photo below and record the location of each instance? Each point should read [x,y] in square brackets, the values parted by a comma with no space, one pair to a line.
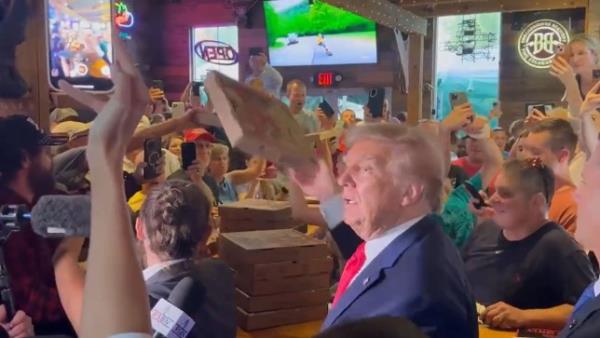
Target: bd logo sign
[540,41]
[216,52]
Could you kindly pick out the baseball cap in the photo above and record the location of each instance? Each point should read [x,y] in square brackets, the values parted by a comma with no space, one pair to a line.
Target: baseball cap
[198,134]
[19,131]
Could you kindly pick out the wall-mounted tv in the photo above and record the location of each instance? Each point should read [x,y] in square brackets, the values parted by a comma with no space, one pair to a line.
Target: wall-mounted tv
[214,48]
[312,32]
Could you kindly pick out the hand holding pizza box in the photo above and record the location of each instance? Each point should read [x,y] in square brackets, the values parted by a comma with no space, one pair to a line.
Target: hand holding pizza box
[257,123]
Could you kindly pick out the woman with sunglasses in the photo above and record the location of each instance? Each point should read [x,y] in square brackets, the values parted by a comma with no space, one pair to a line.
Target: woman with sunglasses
[527,271]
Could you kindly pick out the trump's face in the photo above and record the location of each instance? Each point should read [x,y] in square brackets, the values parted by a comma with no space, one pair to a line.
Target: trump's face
[371,198]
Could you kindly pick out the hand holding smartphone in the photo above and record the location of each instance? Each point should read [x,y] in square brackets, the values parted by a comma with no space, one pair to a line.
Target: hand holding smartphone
[188,154]
[476,195]
[152,157]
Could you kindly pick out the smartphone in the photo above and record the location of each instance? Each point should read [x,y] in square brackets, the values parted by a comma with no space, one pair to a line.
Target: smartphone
[375,103]
[596,74]
[177,109]
[196,87]
[255,51]
[541,108]
[152,156]
[188,154]
[458,98]
[476,195]
[158,84]
[559,49]
[79,43]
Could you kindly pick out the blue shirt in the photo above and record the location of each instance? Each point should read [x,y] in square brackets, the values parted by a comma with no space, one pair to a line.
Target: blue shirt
[227,192]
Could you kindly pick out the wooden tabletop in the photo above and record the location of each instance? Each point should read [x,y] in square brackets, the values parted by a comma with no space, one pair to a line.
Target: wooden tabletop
[308,330]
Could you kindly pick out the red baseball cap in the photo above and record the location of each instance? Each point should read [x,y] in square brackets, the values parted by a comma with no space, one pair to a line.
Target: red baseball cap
[198,134]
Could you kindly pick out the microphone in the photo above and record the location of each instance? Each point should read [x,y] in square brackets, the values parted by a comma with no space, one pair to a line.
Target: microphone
[58,216]
[171,317]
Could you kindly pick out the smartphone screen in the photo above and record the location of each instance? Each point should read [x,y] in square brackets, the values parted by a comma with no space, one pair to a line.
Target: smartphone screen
[152,156]
[79,43]
[188,154]
[596,74]
[540,107]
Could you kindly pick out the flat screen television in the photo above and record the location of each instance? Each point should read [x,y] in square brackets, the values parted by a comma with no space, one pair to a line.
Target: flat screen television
[214,48]
[312,32]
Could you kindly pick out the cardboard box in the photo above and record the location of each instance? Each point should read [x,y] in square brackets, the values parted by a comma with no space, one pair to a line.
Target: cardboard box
[262,320]
[253,304]
[257,123]
[285,269]
[256,210]
[269,246]
[282,285]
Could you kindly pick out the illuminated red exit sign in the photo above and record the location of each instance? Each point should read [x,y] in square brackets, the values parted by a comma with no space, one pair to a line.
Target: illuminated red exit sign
[327,79]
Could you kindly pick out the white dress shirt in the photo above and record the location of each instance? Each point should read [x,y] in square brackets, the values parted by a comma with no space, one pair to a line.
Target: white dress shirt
[154,269]
[597,288]
[375,246]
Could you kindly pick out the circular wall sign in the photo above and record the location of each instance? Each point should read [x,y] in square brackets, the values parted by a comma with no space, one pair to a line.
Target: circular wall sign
[540,41]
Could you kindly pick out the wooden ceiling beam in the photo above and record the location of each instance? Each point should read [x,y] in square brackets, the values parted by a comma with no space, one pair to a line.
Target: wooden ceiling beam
[429,8]
[385,13]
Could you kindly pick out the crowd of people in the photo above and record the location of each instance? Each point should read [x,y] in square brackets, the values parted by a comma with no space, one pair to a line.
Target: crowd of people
[429,238]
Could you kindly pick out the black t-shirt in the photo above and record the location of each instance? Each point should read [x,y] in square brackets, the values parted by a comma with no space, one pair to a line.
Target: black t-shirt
[544,270]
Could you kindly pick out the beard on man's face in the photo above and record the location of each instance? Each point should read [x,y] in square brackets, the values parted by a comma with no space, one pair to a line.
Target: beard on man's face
[41,180]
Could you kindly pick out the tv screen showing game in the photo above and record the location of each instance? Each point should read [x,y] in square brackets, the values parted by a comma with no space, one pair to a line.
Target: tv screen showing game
[215,48]
[311,32]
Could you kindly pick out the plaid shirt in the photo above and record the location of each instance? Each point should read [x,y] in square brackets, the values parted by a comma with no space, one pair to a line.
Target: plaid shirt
[29,263]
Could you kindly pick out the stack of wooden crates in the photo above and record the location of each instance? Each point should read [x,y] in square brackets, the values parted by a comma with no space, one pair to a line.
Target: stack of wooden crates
[282,275]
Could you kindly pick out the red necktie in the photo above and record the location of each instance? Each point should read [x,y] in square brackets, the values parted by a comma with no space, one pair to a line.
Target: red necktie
[351,269]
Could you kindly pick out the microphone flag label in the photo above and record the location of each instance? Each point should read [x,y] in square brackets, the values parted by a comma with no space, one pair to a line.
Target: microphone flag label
[170,321]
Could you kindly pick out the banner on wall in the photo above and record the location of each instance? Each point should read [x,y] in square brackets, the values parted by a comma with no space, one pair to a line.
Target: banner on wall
[468,60]
[540,41]
[214,48]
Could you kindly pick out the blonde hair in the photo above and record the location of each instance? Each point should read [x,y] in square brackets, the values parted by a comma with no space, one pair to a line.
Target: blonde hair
[415,155]
[590,42]
[217,150]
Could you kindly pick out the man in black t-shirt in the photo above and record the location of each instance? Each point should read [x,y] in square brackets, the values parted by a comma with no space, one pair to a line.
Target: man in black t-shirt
[527,271]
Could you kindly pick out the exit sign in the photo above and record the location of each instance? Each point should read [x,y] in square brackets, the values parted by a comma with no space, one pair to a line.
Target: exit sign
[327,79]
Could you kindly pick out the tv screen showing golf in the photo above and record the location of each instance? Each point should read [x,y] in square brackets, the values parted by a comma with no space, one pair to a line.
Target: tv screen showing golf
[311,32]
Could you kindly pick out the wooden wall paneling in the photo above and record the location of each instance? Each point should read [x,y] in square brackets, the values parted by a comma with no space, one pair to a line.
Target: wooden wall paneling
[521,84]
[415,84]
[593,18]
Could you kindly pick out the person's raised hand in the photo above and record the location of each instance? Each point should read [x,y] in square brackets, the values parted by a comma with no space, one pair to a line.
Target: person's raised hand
[315,180]
[503,316]
[592,100]
[485,212]
[20,326]
[534,118]
[196,171]
[562,70]
[118,117]
[460,117]
[199,117]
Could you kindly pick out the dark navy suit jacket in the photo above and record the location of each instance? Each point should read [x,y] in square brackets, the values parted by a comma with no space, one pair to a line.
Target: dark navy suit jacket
[585,322]
[419,276]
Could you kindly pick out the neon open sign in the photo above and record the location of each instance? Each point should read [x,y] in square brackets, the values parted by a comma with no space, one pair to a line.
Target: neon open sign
[216,52]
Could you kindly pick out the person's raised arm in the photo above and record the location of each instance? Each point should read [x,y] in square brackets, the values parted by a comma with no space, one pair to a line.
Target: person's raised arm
[588,137]
[255,168]
[564,72]
[492,160]
[115,296]
[460,117]
[193,118]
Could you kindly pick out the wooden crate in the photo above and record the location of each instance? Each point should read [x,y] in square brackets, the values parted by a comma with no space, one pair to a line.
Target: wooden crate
[293,300]
[262,320]
[258,211]
[282,285]
[269,246]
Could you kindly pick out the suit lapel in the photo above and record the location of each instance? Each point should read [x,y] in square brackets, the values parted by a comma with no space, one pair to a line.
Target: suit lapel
[585,311]
[374,271]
